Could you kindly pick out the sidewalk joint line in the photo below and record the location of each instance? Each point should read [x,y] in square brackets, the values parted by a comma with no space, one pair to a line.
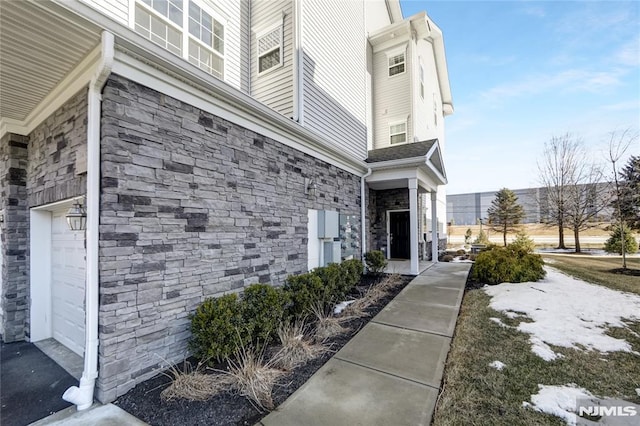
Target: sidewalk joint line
[411,329]
[387,373]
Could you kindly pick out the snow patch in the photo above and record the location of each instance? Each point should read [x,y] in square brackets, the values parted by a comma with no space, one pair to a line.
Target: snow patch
[566,312]
[638,391]
[497,365]
[341,307]
[499,322]
[559,401]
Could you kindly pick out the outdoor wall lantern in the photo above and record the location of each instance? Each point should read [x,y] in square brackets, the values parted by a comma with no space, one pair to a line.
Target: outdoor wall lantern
[77,217]
[309,187]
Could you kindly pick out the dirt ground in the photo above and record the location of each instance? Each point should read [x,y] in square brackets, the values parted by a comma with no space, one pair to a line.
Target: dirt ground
[543,235]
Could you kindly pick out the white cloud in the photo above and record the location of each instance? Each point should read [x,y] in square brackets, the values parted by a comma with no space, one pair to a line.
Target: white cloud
[572,80]
[629,54]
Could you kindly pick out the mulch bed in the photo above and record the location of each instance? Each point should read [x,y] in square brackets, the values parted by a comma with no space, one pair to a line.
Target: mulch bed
[626,271]
[227,408]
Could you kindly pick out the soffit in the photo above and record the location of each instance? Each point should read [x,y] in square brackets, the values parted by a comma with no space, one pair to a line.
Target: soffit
[37,50]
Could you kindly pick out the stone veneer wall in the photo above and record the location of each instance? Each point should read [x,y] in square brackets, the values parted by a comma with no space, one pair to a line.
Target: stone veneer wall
[37,169]
[14,233]
[379,203]
[192,206]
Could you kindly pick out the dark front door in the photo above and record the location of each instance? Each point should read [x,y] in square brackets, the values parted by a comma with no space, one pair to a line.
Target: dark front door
[399,230]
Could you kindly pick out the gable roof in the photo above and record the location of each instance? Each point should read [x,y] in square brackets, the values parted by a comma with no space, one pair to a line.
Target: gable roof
[407,150]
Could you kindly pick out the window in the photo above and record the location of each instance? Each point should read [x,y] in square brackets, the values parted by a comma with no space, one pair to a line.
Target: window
[270,50]
[421,81]
[398,132]
[160,22]
[164,22]
[396,64]
[206,41]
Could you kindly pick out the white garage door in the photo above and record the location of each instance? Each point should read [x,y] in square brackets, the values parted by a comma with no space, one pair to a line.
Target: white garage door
[67,283]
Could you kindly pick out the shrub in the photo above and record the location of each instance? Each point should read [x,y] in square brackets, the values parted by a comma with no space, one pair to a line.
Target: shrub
[447,258]
[506,264]
[482,238]
[375,262]
[264,309]
[333,280]
[614,243]
[305,290]
[467,236]
[217,328]
[461,252]
[353,270]
[523,242]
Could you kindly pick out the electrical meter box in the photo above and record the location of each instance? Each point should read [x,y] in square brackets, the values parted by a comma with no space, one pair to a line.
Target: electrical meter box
[328,224]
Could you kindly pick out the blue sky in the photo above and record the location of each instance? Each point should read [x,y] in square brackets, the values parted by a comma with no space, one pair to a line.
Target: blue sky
[524,71]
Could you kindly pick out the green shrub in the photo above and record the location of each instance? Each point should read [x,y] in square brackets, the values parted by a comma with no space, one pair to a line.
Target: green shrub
[353,270]
[375,262]
[523,242]
[333,280]
[507,264]
[305,290]
[614,243]
[217,328]
[264,308]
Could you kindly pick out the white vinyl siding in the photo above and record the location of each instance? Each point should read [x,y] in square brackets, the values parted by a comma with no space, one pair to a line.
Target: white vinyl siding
[334,83]
[429,108]
[117,10]
[391,97]
[275,87]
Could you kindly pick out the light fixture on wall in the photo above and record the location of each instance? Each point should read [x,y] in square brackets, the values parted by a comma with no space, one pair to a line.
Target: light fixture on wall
[309,187]
[77,217]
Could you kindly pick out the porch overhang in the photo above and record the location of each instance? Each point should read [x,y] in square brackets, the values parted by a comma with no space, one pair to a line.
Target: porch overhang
[44,56]
[394,166]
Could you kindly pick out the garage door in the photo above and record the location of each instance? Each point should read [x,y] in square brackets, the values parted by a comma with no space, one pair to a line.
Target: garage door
[67,283]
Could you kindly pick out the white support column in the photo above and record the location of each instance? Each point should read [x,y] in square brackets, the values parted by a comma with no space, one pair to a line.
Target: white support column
[413,225]
[434,226]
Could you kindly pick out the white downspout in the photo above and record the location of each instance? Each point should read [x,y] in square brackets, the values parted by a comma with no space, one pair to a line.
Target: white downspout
[363,213]
[82,396]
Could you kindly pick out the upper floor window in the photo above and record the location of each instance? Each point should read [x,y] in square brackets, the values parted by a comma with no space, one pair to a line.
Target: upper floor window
[398,132]
[270,50]
[421,81]
[396,64]
[161,22]
[206,41]
[184,28]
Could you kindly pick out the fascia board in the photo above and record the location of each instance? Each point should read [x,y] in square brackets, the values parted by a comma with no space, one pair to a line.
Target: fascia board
[402,162]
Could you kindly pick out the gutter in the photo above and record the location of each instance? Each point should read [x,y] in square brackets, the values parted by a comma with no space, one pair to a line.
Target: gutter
[363,213]
[82,395]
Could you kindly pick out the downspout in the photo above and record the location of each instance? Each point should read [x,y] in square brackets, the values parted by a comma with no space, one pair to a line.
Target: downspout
[82,395]
[363,213]
[298,64]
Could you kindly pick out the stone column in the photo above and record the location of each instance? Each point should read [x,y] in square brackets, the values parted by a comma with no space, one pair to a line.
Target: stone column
[14,297]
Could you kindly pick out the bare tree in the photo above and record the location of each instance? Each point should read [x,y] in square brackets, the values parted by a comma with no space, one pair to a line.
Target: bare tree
[586,198]
[619,143]
[557,170]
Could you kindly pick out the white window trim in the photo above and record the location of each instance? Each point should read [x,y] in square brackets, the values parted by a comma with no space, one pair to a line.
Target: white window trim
[406,132]
[184,29]
[279,25]
[186,35]
[421,78]
[394,52]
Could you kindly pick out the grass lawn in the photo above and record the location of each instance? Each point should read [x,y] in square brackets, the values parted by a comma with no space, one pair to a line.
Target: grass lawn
[474,393]
[596,270]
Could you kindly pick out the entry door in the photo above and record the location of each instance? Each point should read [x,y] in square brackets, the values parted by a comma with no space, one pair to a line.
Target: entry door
[399,224]
[67,283]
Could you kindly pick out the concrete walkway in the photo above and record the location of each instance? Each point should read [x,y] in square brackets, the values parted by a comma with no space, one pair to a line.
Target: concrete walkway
[390,372]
